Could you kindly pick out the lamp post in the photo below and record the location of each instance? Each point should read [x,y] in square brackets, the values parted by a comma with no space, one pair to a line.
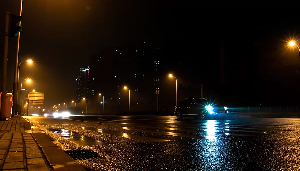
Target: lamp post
[102,102]
[103,105]
[17,107]
[171,76]
[16,74]
[125,88]
[28,81]
[85,104]
[293,43]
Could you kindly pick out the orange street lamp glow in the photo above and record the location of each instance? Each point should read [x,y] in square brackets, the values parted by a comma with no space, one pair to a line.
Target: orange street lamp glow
[99,94]
[170,75]
[33,90]
[125,87]
[83,98]
[29,61]
[28,80]
[72,101]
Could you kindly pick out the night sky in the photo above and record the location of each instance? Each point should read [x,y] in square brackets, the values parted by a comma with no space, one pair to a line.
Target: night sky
[60,35]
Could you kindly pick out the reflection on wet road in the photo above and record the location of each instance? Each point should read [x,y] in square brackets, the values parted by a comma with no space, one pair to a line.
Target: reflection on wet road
[155,143]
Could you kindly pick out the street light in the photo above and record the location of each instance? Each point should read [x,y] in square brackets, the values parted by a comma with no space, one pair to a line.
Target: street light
[293,43]
[17,88]
[125,88]
[102,101]
[85,104]
[27,81]
[171,76]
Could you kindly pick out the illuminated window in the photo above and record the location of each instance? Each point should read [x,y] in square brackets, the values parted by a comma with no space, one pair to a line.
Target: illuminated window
[115,76]
[116,50]
[120,53]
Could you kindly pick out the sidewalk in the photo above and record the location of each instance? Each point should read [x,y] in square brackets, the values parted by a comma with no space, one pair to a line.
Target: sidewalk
[20,150]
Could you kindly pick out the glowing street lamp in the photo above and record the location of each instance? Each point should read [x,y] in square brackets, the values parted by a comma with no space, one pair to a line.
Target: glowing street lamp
[29,61]
[33,90]
[28,80]
[125,88]
[293,43]
[171,76]
[17,88]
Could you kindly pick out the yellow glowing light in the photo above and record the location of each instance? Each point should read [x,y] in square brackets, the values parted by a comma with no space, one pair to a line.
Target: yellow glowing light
[292,43]
[125,128]
[99,94]
[125,135]
[33,90]
[29,61]
[28,80]
[72,101]
[83,98]
[64,103]
[171,75]
[58,104]
[83,128]
[125,87]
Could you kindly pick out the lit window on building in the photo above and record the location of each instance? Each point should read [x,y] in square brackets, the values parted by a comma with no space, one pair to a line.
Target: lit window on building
[100,57]
[157,79]
[137,103]
[119,98]
[93,78]
[115,76]
[116,50]
[136,51]
[120,53]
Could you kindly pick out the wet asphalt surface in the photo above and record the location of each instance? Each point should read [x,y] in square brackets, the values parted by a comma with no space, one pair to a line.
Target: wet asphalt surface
[163,143]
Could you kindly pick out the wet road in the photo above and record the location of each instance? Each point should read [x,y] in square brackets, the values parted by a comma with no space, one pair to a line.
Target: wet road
[163,143]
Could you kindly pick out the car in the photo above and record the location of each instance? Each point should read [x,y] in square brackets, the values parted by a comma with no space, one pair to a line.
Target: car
[199,107]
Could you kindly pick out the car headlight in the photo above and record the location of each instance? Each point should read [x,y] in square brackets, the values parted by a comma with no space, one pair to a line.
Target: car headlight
[209,109]
[225,108]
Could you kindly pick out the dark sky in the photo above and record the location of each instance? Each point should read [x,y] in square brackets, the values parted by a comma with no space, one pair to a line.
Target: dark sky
[60,35]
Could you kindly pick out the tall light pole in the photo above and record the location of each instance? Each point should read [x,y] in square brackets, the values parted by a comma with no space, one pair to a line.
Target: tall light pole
[28,61]
[4,71]
[103,105]
[102,102]
[125,88]
[293,43]
[171,76]
[15,84]
[27,81]
[85,104]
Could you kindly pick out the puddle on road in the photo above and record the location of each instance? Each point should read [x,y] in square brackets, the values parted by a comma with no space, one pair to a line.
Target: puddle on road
[125,135]
[77,138]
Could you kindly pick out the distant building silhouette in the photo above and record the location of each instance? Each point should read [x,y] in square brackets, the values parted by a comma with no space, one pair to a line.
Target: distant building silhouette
[82,85]
[135,65]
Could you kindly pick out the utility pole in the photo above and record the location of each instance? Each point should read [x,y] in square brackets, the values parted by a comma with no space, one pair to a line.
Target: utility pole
[4,72]
[16,83]
[103,104]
